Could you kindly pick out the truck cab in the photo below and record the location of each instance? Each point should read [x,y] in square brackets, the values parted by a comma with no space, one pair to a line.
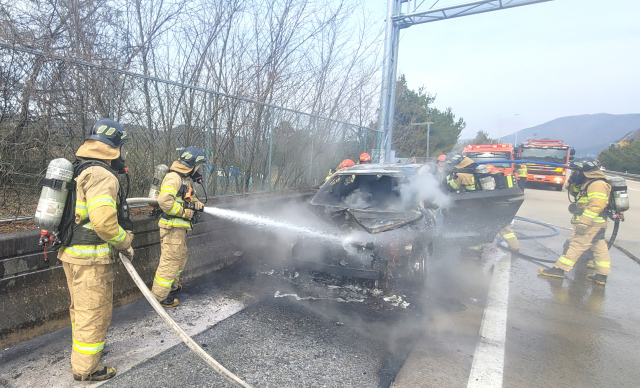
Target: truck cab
[554,151]
[488,152]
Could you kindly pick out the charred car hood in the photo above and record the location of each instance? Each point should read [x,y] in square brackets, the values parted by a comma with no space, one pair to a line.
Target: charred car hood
[373,221]
[377,221]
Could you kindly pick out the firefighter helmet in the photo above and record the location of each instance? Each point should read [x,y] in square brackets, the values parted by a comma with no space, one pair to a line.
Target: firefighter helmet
[442,158]
[108,132]
[365,158]
[455,158]
[192,157]
[346,163]
[585,164]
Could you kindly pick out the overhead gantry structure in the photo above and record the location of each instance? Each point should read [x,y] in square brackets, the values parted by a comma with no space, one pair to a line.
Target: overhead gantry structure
[397,20]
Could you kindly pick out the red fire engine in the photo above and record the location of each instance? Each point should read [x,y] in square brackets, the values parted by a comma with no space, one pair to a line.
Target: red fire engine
[554,151]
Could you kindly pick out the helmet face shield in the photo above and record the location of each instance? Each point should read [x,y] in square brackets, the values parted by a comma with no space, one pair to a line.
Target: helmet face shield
[196,174]
[124,150]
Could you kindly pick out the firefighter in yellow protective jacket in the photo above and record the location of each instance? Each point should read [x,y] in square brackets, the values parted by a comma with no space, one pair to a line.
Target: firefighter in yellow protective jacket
[589,222]
[460,181]
[521,174]
[176,195]
[102,228]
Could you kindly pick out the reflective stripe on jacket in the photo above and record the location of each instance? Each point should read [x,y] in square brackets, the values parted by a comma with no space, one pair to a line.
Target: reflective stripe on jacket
[462,181]
[172,203]
[592,203]
[522,171]
[96,202]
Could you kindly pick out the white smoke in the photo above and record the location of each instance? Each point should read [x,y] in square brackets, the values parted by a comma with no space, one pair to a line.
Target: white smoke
[357,200]
[423,187]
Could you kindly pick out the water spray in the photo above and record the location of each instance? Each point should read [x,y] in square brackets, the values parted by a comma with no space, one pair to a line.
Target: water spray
[261,222]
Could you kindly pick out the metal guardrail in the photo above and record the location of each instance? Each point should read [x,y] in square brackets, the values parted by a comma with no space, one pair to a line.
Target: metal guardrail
[623,174]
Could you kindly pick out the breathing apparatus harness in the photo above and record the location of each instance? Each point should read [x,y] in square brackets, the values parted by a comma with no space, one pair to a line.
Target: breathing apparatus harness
[186,193]
[69,233]
[616,215]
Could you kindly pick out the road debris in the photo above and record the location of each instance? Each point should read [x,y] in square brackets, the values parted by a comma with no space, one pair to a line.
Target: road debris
[396,301]
[342,300]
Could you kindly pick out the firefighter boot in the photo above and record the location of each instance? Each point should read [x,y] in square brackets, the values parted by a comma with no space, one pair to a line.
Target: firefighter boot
[598,278]
[103,373]
[170,301]
[551,272]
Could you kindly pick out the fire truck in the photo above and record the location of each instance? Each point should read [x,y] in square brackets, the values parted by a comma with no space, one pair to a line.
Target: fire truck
[488,152]
[554,151]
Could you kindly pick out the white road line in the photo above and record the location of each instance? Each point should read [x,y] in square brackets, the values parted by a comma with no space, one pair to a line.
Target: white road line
[631,188]
[488,360]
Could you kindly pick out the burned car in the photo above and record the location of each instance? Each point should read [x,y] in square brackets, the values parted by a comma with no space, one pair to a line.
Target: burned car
[388,231]
[392,215]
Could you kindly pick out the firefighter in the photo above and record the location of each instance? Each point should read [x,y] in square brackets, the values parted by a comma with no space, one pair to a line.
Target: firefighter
[521,174]
[589,220]
[175,191]
[506,233]
[346,163]
[330,174]
[441,163]
[510,238]
[460,181]
[365,158]
[98,234]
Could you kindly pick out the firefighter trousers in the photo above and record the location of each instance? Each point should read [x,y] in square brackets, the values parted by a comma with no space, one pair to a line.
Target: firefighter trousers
[173,258]
[510,238]
[593,239]
[91,290]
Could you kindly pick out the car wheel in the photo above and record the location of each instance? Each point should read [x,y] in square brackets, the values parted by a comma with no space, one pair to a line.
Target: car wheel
[419,266]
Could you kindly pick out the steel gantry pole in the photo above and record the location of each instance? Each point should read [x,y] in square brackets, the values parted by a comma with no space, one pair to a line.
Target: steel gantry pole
[395,21]
[388,89]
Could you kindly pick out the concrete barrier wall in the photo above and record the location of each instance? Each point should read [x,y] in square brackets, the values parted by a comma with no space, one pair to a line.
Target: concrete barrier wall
[34,298]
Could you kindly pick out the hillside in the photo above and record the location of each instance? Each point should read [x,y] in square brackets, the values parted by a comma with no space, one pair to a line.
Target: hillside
[635,135]
[588,134]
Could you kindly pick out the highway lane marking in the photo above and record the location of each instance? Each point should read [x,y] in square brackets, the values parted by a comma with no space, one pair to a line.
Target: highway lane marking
[631,188]
[488,361]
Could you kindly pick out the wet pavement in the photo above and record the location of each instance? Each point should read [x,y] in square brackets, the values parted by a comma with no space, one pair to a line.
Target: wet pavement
[568,333]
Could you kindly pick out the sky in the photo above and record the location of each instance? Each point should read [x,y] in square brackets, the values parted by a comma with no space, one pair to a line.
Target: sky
[511,69]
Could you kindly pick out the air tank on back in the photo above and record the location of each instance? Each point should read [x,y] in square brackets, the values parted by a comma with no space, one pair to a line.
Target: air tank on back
[619,197]
[54,194]
[486,181]
[158,175]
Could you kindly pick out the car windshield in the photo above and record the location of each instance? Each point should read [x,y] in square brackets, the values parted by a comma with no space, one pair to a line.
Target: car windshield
[362,192]
[545,154]
[489,156]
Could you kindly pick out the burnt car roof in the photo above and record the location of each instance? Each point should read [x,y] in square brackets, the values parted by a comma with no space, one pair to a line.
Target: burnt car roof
[383,169]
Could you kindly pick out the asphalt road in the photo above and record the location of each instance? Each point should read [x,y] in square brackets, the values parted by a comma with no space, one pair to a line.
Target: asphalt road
[480,323]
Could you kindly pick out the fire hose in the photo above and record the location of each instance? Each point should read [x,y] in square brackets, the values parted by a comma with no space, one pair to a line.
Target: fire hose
[555,232]
[215,365]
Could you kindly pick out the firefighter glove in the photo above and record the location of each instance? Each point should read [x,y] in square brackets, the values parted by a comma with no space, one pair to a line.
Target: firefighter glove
[581,229]
[128,253]
[188,214]
[198,205]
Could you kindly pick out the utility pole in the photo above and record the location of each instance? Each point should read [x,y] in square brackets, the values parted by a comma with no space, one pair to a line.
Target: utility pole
[428,124]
